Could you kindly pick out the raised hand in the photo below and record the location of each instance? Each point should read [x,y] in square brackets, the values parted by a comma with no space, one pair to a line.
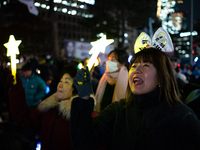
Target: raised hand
[83,82]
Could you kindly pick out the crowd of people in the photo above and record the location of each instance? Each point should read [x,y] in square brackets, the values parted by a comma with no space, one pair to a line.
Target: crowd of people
[147,103]
[28,105]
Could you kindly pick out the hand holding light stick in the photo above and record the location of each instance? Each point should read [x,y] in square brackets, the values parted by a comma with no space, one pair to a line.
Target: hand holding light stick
[98,46]
[12,47]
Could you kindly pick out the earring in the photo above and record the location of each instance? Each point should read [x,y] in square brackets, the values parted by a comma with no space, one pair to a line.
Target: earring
[159,85]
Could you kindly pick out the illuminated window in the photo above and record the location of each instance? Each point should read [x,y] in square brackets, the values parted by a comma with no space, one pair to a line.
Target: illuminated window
[37,4]
[100,34]
[86,15]
[91,2]
[74,4]
[43,5]
[126,35]
[187,55]
[65,3]
[73,12]
[180,1]
[91,16]
[104,22]
[57,1]
[64,10]
[82,6]
[182,34]
[183,51]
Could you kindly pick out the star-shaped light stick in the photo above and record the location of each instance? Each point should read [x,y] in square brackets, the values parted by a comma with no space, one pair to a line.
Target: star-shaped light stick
[12,47]
[98,46]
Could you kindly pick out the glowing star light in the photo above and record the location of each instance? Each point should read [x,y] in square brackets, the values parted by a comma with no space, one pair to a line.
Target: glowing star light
[98,46]
[12,47]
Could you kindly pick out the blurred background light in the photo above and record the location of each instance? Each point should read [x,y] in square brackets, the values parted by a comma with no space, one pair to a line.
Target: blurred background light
[182,34]
[129,58]
[196,59]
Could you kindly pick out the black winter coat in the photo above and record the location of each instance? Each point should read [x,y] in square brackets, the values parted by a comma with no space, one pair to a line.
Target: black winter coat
[144,125]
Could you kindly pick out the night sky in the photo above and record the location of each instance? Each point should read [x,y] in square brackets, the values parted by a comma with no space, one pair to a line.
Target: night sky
[186,5]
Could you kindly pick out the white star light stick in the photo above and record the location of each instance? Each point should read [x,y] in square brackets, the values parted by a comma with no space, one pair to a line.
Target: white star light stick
[98,46]
[12,47]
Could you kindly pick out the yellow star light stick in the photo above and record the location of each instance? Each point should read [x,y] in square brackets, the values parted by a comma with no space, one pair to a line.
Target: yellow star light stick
[12,47]
[98,46]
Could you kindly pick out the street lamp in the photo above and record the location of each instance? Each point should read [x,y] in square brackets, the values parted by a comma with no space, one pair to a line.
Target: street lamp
[191,36]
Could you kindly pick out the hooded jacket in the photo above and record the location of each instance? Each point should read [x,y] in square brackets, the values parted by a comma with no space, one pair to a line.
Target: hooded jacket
[51,117]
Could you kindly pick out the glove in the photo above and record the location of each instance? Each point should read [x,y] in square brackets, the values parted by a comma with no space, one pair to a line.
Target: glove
[10,80]
[83,82]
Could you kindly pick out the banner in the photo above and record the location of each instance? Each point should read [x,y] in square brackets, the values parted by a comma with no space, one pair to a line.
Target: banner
[81,50]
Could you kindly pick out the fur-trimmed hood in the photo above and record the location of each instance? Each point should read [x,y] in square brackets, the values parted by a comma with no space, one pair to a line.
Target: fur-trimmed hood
[64,106]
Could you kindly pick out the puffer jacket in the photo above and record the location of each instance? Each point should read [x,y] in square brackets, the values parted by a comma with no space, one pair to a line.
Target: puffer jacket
[35,89]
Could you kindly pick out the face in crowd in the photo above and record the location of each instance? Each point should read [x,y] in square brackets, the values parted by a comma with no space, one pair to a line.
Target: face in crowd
[27,73]
[64,88]
[143,77]
[151,68]
[112,65]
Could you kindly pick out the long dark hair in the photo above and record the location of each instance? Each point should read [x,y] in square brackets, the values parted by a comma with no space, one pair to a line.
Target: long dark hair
[167,80]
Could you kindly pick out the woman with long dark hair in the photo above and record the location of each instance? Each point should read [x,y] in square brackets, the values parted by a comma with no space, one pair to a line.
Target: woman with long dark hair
[151,117]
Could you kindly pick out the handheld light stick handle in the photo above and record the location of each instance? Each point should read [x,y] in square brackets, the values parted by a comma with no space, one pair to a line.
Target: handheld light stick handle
[92,60]
[13,67]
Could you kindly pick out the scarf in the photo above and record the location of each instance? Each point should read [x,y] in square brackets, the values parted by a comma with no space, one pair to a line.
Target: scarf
[120,79]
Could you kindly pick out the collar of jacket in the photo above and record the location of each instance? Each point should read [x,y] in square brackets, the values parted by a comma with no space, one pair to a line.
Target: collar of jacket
[31,76]
[64,106]
[147,100]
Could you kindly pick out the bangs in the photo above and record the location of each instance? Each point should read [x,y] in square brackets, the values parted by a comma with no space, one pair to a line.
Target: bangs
[145,57]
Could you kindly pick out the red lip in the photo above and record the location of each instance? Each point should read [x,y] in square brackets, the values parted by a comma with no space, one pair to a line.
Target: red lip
[138,82]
